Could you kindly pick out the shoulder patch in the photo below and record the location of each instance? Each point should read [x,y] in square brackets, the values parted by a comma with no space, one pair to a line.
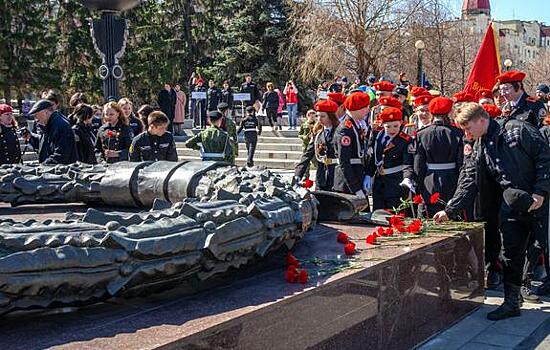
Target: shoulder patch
[467,149]
[412,147]
[404,136]
[542,112]
[346,140]
[348,124]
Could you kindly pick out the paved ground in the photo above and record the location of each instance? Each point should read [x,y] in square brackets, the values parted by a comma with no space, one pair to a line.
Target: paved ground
[475,332]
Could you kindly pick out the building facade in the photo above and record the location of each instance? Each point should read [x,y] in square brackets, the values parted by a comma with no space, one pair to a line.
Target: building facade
[520,41]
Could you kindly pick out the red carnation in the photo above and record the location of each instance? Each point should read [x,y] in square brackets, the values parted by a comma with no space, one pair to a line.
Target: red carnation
[110,133]
[417,199]
[342,238]
[380,231]
[415,226]
[396,221]
[291,274]
[371,239]
[434,198]
[307,183]
[349,248]
[389,231]
[291,260]
[302,277]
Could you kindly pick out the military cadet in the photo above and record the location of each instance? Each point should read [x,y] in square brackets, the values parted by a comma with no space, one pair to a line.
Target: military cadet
[306,128]
[155,144]
[383,89]
[85,137]
[250,87]
[252,129]
[521,105]
[339,99]
[421,116]
[10,151]
[349,142]
[321,147]
[542,93]
[57,141]
[115,135]
[514,154]
[134,122]
[229,126]
[390,162]
[213,143]
[439,155]
[418,91]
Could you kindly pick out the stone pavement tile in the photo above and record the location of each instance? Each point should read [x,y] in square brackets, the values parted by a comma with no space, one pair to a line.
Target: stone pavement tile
[524,325]
[461,333]
[481,346]
[492,336]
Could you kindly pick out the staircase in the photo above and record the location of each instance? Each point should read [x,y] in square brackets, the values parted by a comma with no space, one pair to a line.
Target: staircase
[275,149]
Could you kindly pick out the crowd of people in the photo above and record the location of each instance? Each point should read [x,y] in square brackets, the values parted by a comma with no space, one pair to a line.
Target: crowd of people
[487,157]
[483,157]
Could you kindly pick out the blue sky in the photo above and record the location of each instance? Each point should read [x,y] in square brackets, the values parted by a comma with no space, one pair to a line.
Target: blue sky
[515,9]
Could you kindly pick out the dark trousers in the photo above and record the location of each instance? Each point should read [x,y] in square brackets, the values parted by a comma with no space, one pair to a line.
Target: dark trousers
[493,241]
[515,229]
[250,142]
[538,242]
[271,115]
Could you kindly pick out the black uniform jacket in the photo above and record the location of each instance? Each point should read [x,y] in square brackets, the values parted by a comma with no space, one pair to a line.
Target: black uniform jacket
[146,147]
[514,154]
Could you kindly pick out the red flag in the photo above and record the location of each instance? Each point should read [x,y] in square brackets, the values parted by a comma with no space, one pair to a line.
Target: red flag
[486,66]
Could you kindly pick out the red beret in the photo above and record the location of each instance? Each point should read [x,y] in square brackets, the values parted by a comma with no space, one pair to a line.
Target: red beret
[390,102]
[357,101]
[419,91]
[4,108]
[326,106]
[422,100]
[510,77]
[462,96]
[440,106]
[390,114]
[384,86]
[492,110]
[337,97]
[485,93]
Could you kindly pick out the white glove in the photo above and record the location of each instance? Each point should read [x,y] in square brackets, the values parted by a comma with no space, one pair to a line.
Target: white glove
[367,184]
[360,194]
[409,184]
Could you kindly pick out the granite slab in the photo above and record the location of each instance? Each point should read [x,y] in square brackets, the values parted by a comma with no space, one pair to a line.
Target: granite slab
[392,296]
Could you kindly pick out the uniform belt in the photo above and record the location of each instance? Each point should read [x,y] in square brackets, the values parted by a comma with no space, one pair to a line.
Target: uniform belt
[330,161]
[441,166]
[356,161]
[250,130]
[212,155]
[393,170]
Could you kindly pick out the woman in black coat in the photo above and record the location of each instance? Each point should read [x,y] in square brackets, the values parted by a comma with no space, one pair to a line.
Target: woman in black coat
[85,138]
[115,136]
[270,103]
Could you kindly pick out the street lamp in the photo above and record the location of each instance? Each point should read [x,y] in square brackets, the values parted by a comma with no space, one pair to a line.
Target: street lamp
[508,64]
[419,45]
[109,35]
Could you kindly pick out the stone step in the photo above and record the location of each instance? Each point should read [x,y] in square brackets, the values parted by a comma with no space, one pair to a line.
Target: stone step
[265,132]
[260,154]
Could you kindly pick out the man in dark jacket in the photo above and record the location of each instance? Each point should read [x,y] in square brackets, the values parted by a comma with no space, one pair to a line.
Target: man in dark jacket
[56,145]
[515,155]
[213,96]
[167,103]
[156,143]
[522,106]
[250,87]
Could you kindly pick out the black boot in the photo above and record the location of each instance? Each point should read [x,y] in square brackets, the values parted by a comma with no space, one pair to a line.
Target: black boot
[510,307]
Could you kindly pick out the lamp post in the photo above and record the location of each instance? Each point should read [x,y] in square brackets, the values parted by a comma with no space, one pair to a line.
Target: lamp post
[109,34]
[419,45]
[508,64]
